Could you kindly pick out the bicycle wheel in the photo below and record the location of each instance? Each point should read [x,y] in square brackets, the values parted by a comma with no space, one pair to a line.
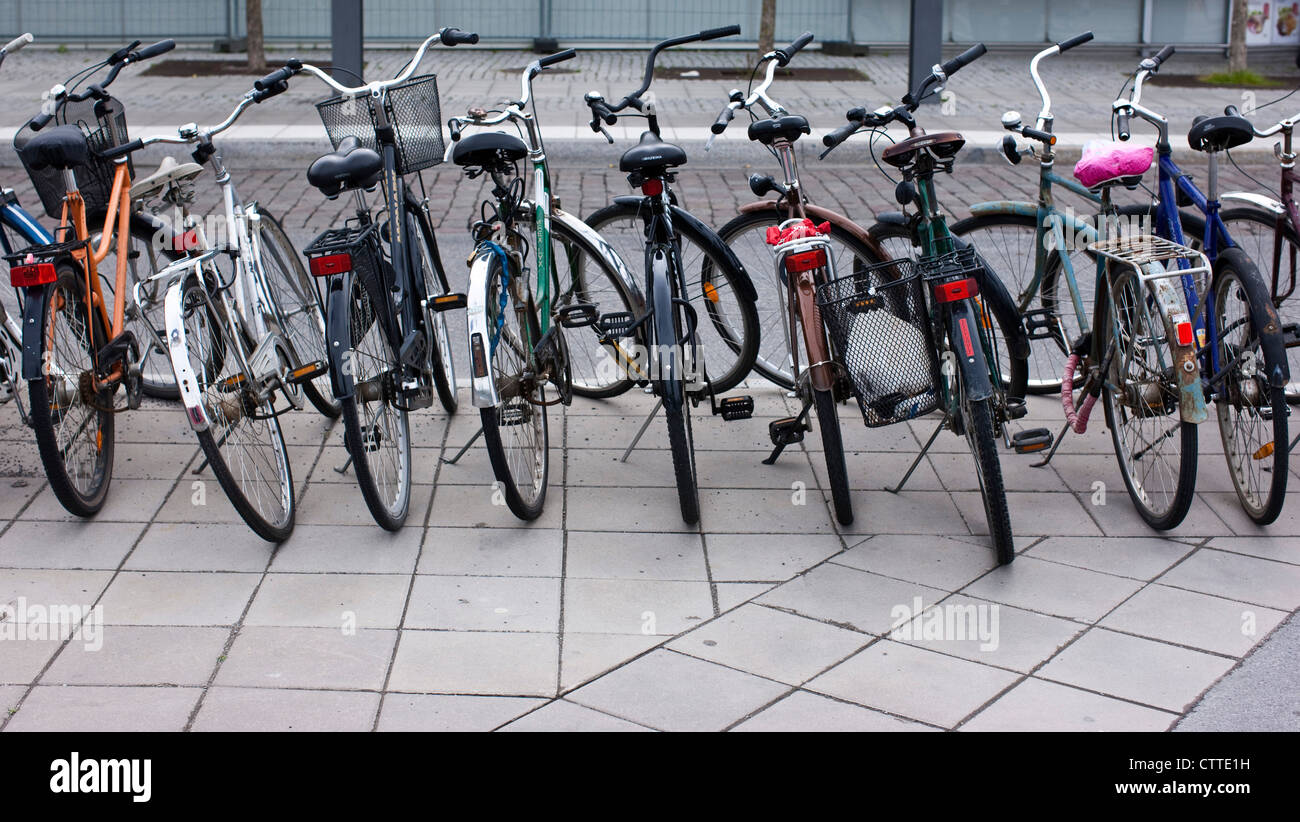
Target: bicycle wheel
[681,442]
[583,277]
[299,314]
[433,282]
[376,432]
[1252,414]
[149,253]
[1255,233]
[515,430]
[730,345]
[828,423]
[1156,449]
[1006,242]
[978,425]
[746,235]
[243,444]
[670,326]
[74,432]
[896,242]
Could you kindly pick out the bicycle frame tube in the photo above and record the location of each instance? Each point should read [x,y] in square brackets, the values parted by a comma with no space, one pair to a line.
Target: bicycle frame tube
[16,218]
[119,209]
[542,215]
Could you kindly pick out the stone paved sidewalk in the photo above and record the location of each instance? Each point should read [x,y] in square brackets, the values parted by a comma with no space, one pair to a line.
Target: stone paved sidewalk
[608,612]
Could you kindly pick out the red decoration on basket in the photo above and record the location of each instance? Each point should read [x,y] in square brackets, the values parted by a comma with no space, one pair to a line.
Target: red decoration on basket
[796,231]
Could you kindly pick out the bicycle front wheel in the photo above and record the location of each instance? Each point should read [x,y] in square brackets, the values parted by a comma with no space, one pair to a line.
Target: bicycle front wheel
[837,472]
[1156,449]
[1252,413]
[515,430]
[243,443]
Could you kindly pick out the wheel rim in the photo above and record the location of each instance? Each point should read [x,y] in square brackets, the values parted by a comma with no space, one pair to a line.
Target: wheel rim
[1256,238]
[521,424]
[585,280]
[383,429]
[1245,407]
[78,427]
[437,321]
[300,317]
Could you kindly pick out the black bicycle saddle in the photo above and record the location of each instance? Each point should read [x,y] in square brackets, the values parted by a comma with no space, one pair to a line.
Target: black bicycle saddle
[651,154]
[487,149]
[350,166]
[1219,133]
[61,147]
[791,127]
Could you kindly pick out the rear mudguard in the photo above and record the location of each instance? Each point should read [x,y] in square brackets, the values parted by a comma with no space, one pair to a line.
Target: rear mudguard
[713,244]
[1263,315]
[482,382]
[186,380]
[608,255]
[665,355]
[1172,302]
[964,339]
[338,334]
[36,302]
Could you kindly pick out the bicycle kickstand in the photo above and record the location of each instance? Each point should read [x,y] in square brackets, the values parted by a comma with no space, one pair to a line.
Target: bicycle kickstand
[924,450]
[1065,429]
[464,447]
[641,431]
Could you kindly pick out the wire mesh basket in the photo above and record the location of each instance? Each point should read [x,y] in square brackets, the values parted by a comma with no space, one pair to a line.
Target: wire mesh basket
[360,243]
[880,331]
[413,111]
[104,124]
[955,265]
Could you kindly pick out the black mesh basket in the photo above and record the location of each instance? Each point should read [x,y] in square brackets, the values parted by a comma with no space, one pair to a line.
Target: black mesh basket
[880,332]
[412,109]
[959,264]
[104,124]
[361,243]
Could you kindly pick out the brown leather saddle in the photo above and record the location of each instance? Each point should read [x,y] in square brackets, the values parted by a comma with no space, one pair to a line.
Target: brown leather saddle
[943,144]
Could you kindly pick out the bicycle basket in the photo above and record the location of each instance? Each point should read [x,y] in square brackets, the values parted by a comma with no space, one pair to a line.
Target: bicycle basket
[880,332]
[104,124]
[412,109]
[360,243]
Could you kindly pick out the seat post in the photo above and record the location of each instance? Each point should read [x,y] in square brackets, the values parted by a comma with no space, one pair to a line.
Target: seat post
[1212,177]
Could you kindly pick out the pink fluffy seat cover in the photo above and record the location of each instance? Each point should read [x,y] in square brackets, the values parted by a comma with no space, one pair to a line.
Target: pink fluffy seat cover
[1104,161]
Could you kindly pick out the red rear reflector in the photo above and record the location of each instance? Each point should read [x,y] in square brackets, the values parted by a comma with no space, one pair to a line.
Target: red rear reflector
[1183,331]
[328,264]
[956,290]
[652,188]
[33,274]
[805,261]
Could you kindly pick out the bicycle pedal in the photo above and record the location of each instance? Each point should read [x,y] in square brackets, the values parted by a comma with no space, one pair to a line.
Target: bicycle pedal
[1031,440]
[580,315]
[1043,324]
[1291,335]
[308,372]
[735,408]
[1015,408]
[447,302]
[786,431]
[134,387]
[616,324]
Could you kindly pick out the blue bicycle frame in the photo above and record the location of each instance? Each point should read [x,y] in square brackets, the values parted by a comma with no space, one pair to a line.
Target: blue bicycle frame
[16,218]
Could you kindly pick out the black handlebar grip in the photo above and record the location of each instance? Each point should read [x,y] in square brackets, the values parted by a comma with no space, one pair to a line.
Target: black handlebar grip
[856,114]
[603,112]
[125,148]
[725,31]
[1163,55]
[724,119]
[1040,136]
[967,57]
[278,76]
[161,47]
[1122,125]
[1077,40]
[266,91]
[839,135]
[558,57]
[40,121]
[783,56]
[456,37]
[1231,111]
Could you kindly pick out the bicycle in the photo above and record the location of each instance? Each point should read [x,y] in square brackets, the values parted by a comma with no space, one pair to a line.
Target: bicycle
[516,322]
[239,342]
[386,291]
[76,355]
[952,296]
[675,366]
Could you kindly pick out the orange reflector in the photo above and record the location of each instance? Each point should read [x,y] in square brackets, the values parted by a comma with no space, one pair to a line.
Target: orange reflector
[956,290]
[303,370]
[805,261]
[1025,449]
[231,383]
[327,264]
[1265,451]
[711,292]
[1183,332]
[33,274]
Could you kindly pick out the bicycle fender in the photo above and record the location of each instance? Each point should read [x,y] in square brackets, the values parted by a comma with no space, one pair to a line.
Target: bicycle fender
[963,336]
[1263,314]
[1266,203]
[607,253]
[1172,302]
[664,355]
[1002,306]
[483,384]
[36,302]
[338,334]
[186,381]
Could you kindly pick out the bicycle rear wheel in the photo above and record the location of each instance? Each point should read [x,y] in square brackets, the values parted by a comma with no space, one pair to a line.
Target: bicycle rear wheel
[1252,414]
[74,432]
[515,430]
[243,443]
[433,282]
[978,425]
[1156,449]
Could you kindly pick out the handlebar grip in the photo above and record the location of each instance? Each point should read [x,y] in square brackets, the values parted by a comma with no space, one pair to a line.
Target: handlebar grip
[1122,125]
[783,56]
[18,42]
[967,57]
[856,114]
[724,119]
[456,37]
[266,91]
[603,112]
[558,57]
[1077,40]
[1040,136]
[161,47]
[125,148]
[839,135]
[1231,111]
[725,31]
[1163,55]
[40,121]
[278,76]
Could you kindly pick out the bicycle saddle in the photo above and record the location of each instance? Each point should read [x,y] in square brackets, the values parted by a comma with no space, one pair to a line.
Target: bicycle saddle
[169,171]
[1219,133]
[768,131]
[350,166]
[943,144]
[61,147]
[487,149]
[651,153]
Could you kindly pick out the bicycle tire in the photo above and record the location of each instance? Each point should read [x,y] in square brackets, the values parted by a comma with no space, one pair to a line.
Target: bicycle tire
[440,358]
[837,472]
[82,495]
[978,425]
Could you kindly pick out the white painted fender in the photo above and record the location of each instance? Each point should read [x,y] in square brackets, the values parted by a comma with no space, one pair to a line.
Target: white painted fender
[1266,203]
[483,384]
[186,381]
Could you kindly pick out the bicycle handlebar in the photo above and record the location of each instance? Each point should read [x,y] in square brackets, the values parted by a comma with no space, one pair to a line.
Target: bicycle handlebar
[558,57]
[17,43]
[443,35]
[161,47]
[634,97]
[1077,40]
[456,37]
[783,56]
[964,59]
[292,67]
